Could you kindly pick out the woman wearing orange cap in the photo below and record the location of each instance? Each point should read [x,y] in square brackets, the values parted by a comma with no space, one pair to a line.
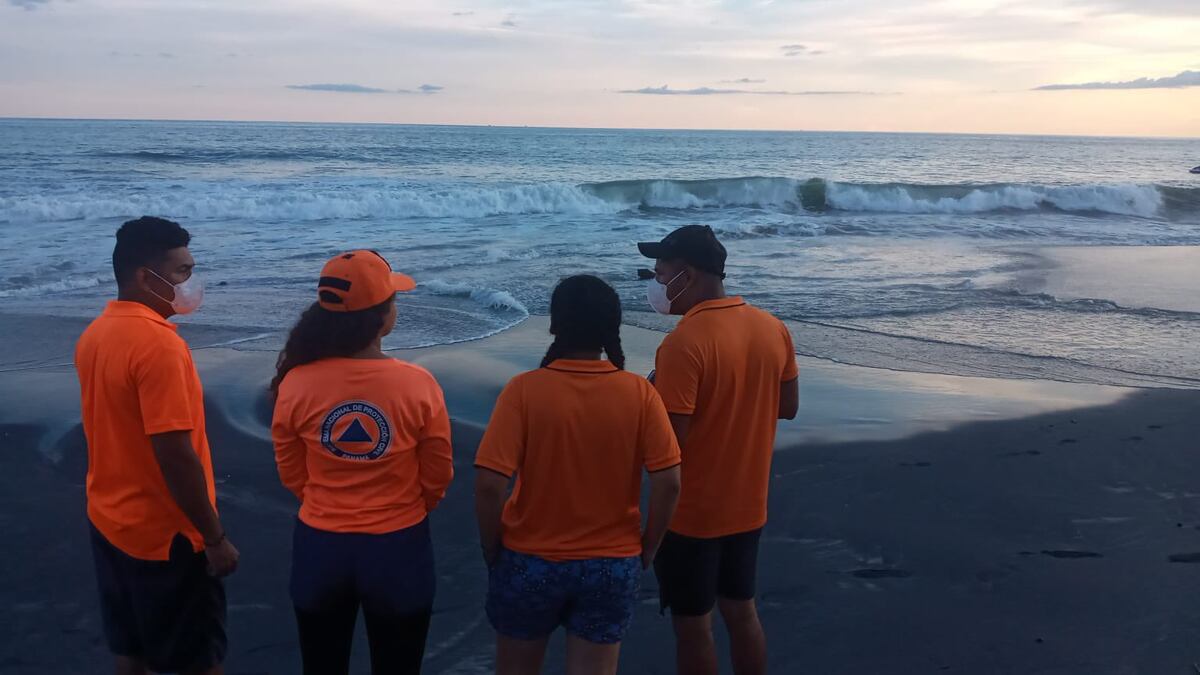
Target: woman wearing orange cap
[568,547]
[363,440]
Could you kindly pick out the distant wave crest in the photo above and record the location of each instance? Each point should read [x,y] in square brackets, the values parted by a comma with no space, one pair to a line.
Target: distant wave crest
[288,202]
[73,284]
[1129,200]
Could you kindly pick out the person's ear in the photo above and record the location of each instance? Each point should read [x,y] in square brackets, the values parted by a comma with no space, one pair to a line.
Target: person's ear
[389,320]
[140,281]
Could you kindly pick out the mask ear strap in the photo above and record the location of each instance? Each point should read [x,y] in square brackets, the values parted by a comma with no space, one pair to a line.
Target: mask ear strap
[160,278]
[685,288]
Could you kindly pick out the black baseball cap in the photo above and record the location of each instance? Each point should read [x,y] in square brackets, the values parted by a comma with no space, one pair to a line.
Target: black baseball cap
[696,245]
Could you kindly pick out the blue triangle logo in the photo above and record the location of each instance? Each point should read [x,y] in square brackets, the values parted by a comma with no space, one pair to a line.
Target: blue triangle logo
[355,433]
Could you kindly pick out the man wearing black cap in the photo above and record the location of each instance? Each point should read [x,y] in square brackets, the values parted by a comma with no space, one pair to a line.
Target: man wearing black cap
[726,373]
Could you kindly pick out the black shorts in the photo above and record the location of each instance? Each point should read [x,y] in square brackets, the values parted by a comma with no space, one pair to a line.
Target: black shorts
[692,573]
[170,614]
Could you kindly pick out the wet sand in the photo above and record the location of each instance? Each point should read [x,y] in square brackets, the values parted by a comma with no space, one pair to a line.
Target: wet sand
[919,523]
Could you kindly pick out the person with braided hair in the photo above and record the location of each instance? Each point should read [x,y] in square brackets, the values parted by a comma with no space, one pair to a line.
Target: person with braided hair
[568,546]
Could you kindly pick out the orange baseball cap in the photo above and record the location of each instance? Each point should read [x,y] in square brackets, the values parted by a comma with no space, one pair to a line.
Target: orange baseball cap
[359,280]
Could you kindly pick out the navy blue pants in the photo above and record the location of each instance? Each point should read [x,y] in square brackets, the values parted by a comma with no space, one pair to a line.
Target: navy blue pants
[390,576]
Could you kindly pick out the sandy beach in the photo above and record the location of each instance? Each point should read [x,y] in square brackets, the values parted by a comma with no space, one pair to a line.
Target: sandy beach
[919,523]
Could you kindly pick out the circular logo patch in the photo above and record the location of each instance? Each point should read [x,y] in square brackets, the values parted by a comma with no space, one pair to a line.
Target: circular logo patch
[356,430]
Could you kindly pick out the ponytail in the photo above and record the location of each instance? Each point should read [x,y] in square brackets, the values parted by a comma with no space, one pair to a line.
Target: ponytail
[554,353]
[612,347]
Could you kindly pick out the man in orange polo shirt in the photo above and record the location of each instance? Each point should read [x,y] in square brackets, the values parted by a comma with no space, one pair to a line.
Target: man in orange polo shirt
[158,544]
[726,373]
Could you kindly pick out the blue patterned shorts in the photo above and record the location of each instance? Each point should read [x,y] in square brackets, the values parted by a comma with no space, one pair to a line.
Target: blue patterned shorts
[529,597]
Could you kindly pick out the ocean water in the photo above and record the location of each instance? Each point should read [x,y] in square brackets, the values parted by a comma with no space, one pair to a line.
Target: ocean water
[909,251]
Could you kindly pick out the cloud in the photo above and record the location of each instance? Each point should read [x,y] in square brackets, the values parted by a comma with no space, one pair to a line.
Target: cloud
[423,89]
[28,5]
[509,23]
[361,89]
[743,80]
[800,50]
[1184,8]
[462,13]
[166,55]
[1188,78]
[339,88]
[709,91]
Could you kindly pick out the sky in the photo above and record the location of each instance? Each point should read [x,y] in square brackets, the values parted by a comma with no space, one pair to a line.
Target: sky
[1102,67]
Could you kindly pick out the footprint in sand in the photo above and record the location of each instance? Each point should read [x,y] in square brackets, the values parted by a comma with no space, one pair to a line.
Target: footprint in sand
[1067,441]
[1071,555]
[919,465]
[1022,453]
[1133,438]
[1184,558]
[1154,427]
[872,573]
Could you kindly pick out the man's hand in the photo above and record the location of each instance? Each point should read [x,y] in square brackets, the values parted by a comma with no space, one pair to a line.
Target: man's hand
[648,558]
[222,558]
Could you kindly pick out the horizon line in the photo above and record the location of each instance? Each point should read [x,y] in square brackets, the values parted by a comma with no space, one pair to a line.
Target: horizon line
[587,128]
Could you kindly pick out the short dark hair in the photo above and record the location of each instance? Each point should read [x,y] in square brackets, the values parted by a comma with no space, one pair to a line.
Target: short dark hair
[143,242]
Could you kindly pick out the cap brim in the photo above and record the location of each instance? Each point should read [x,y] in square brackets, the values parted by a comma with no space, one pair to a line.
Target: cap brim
[402,283]
[654,249]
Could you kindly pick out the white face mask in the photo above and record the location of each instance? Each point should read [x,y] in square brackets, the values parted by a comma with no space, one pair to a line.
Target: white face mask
[188,296]
[658,296]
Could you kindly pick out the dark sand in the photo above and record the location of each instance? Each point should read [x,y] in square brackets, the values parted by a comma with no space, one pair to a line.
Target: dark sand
[919,524]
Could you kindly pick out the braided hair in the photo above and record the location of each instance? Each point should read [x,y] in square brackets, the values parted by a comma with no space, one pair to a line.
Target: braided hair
[585,313]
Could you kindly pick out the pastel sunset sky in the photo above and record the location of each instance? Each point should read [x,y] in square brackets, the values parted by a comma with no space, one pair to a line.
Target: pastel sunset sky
[1106,67]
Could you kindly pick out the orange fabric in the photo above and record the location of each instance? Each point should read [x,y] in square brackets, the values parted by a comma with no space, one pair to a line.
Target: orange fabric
[363,443]
[577,435]
[357,280]
[723,365]
[137,379]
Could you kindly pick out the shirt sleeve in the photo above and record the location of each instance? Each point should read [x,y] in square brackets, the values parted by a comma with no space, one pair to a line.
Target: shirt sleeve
[790,370]
[435,453]
[659,446]
[503,446]
[291,455]
[677,371]
[164,377]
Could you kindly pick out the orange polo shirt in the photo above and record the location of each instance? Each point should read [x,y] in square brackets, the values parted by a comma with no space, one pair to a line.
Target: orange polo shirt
[363,443]
[137,380]
[577,434]
[723,365]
